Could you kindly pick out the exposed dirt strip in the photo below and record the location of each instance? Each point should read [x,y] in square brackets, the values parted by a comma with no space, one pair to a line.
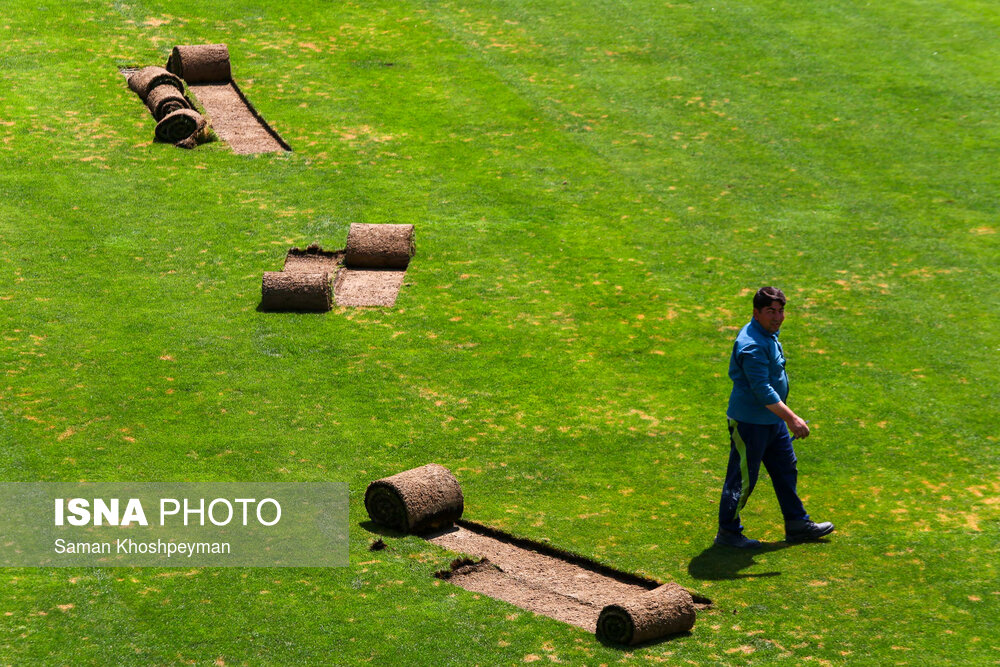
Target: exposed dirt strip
[569,590]
[367,287]
[313,260]
[235,120]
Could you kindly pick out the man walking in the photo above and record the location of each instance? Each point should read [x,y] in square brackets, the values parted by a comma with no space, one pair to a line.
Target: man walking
[759,425]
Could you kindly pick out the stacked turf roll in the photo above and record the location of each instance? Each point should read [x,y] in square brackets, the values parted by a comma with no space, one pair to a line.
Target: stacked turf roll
[165,99]
[163,94]
[416,501]
[180,127]
[663,611]
[146,79]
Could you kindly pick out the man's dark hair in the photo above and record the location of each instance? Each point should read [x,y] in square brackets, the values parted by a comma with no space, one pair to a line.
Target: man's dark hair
[765,296]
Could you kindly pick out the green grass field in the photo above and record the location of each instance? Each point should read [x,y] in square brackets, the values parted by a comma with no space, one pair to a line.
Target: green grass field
[597,189]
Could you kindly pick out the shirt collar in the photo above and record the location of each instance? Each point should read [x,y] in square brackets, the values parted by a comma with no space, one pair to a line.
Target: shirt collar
[756,325]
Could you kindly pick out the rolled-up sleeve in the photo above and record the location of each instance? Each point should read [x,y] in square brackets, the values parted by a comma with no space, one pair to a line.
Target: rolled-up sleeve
[756,368]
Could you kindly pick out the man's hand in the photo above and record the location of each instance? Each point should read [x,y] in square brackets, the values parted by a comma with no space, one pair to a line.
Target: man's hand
[795,424]
[799,428]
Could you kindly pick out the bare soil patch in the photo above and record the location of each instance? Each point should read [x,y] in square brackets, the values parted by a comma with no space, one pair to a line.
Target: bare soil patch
[235,120]
[313,260]
[572,591]
[367,287]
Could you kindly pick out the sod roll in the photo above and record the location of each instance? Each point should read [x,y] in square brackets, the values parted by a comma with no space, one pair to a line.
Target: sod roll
[179,126]
[201,63]
[417,500]
[379,246]
[164,100]
[148,78]
[663,611]
[307,292]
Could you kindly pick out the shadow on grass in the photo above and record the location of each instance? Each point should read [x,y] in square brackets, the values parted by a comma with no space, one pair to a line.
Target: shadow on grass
[718,562]
[652,642]
[261,308]
[379,529]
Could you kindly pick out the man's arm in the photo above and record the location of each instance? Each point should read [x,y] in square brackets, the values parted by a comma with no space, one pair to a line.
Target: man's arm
[755,367]
[795,424]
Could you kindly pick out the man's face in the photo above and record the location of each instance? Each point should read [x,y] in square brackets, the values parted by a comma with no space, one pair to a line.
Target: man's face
[770,317]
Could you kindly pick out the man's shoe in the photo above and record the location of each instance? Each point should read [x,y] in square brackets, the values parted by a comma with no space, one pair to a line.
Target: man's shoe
[806,531]
[728,538]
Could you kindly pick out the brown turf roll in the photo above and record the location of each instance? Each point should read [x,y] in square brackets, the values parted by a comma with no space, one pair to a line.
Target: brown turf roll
[379,246]
[666,610]
[201,63]
[417,500]
[165,99]
[145,80]
[179,126]
[295,291]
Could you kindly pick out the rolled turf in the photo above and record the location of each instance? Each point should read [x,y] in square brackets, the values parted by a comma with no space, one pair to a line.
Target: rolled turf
[201,63]
[416,501]
[180,127]
[148,78]
[379,246]
[164,100]
[666,610]
[308,292]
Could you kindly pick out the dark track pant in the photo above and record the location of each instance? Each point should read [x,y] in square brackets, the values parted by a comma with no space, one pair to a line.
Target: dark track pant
[749,446]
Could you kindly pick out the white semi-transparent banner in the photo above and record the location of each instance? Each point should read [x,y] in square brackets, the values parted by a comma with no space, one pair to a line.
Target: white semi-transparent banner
[259,524]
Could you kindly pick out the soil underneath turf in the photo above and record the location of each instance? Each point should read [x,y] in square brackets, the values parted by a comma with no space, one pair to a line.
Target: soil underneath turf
[313,260]
[233,119]
[367,287]
[545,584]
[351,286]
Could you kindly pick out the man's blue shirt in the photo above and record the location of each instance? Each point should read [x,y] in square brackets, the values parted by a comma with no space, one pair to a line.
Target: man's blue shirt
[757,369]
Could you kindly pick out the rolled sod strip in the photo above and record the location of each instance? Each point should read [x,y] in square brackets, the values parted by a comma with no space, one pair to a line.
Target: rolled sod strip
[306,292]
[146,79]
[416,501]
[164,100]
[379,246]
[179,126]
[201,63]
[663,611]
